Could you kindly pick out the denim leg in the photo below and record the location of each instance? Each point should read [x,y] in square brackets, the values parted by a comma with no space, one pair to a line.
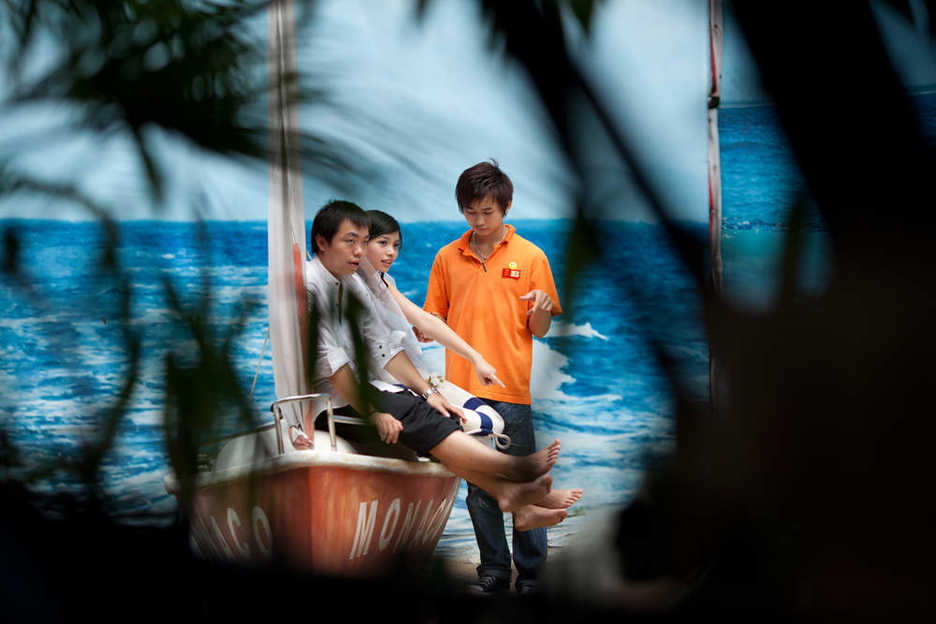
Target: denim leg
[529,547]
[488,522]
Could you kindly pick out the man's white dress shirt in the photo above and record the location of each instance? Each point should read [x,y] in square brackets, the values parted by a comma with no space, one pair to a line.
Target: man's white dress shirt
[331,297]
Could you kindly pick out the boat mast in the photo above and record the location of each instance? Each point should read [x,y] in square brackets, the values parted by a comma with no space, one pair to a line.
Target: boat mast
[286,215]
[714,175]
[714,163]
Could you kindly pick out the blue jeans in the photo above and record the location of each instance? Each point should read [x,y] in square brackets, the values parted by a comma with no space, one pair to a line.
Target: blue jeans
[529,547]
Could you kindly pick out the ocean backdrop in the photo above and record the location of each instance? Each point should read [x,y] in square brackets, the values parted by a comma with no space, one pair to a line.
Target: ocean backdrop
[596,384]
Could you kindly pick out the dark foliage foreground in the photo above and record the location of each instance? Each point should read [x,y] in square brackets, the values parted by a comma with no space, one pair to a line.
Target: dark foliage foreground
[804,489]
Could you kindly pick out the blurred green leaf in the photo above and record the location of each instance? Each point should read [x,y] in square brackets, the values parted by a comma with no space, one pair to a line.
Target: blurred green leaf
[583,10]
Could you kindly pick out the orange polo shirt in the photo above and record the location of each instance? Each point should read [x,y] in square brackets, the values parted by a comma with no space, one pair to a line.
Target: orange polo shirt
[481,302]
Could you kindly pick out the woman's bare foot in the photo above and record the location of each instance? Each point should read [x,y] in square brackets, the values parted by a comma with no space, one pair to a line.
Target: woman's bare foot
[529,467]
[560,499]
[535,517]
[513,496]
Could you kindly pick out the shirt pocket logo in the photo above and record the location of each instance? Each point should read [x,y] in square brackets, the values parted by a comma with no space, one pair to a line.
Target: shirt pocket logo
[510,273]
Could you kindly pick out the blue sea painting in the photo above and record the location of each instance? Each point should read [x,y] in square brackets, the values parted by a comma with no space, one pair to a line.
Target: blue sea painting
[597,385]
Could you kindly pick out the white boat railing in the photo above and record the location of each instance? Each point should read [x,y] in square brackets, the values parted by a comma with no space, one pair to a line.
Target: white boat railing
[277,411]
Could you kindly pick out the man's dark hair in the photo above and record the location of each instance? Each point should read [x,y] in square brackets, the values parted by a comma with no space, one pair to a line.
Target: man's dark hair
[329,217]
[482,180]
[381,223]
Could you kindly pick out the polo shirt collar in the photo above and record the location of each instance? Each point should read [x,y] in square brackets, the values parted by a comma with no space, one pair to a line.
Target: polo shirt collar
[465,248]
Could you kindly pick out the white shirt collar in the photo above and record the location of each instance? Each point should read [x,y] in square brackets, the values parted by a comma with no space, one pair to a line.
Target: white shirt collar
[317,275]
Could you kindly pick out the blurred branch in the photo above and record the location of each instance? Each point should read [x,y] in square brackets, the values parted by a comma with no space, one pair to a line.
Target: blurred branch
[202,384]
[534,36]
[869,172]
[193,69]
[919,13]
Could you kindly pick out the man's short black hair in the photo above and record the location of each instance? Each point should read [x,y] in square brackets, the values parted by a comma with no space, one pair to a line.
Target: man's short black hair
[329,217]
[483,180]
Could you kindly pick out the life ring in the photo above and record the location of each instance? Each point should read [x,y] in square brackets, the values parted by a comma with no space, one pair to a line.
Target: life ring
[481,420]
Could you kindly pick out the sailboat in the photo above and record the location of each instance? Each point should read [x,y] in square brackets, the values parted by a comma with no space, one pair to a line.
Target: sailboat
[326,508]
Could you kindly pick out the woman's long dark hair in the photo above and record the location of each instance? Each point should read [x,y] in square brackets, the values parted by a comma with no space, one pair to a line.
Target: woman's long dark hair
[381,223]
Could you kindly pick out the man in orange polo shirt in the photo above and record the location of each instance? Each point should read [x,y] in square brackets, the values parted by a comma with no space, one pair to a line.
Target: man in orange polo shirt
[495,289]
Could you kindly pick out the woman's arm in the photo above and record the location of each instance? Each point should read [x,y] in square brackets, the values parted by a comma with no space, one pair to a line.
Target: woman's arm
[435,328]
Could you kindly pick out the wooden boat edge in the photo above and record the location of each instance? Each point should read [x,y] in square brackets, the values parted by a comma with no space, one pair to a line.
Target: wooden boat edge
[315,458]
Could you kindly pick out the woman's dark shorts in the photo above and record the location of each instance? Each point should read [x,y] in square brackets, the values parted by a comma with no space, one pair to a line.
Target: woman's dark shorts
[423,427]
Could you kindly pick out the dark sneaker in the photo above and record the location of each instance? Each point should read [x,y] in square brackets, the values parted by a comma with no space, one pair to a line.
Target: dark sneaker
[526,587]
[491,585]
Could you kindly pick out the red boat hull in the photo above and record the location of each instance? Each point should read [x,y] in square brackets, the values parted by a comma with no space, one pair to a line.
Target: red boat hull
[329,518]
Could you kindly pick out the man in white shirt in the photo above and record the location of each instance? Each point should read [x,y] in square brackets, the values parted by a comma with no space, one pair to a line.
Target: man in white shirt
[419,417]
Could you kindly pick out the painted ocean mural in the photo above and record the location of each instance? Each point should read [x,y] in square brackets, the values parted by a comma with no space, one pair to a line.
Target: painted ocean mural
[596,384]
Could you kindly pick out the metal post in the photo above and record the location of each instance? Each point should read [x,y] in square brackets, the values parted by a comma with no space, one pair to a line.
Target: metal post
[277,417]
[714,182]
[331,426]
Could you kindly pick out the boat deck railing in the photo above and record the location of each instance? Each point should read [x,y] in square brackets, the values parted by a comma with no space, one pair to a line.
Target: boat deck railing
[276,408]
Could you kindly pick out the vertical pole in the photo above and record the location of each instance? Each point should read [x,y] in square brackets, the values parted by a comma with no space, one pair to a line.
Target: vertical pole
[714,160]
[714,184]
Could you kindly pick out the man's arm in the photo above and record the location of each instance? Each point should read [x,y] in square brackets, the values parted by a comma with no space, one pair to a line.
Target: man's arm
[345,385]
[388,427]
[539,317]
[380,347]
[544,296]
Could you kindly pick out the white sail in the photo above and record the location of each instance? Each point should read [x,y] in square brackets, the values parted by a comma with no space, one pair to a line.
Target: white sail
[286,216]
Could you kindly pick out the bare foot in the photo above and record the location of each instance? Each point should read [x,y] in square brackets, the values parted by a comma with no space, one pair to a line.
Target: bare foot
[513,496]
[531,466]
[560,499]
[534,517]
